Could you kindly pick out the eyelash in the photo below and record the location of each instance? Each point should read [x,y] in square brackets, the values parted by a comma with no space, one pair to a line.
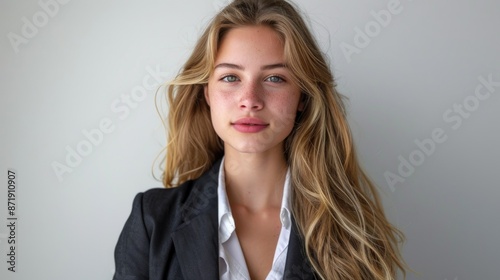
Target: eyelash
[281,79]
[224,78]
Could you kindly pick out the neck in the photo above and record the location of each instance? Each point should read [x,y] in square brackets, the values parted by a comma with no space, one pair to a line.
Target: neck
[255,181]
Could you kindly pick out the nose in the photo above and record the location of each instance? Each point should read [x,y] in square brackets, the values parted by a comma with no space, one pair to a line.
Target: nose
[251,97]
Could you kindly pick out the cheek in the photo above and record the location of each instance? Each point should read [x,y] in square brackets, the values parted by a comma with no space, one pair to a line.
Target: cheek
[285,115]
[289,107]
[218,98]
[217,113]
[216,122]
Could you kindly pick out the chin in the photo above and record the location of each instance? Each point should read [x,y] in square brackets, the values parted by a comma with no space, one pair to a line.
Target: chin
[250,148]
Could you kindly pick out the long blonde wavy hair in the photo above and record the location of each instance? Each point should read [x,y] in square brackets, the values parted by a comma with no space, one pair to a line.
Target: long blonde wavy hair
[335,205]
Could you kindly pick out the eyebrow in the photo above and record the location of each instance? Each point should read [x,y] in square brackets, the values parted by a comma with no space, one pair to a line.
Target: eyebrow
[239,67]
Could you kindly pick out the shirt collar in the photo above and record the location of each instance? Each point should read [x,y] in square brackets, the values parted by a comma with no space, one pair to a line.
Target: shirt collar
[225,218]
[226,221]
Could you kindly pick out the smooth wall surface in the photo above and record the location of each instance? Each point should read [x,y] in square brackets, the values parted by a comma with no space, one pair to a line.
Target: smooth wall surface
[79,130]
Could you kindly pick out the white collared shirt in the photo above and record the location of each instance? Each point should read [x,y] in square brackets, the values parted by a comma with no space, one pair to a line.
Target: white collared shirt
[232,265]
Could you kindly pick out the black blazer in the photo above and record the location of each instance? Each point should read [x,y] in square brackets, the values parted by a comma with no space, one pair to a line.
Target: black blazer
[173,234]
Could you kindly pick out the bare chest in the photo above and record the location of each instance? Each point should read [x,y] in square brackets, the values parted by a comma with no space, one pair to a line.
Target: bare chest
[258,235]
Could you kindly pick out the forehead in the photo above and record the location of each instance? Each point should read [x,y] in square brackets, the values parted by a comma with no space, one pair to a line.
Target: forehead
[249,43]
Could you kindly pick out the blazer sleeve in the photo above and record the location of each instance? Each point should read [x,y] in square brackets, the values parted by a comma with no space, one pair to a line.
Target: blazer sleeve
[132,249]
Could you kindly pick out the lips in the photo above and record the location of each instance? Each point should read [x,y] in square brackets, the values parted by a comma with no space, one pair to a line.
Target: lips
[249,125]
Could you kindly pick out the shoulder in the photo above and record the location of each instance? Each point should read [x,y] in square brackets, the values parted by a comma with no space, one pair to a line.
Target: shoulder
[185,200]
[163,197]
[159,202]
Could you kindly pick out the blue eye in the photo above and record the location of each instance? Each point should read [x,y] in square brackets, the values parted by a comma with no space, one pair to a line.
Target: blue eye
[230,79]
[275,79]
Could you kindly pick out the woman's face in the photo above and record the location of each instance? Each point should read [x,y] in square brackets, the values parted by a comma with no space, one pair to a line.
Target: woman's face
[253,100]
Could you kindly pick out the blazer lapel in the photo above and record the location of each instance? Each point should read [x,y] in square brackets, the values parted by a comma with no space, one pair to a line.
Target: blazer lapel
[297,265]
[196,239]
[196,248]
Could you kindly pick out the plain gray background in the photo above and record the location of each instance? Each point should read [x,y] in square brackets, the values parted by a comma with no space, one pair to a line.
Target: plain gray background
[419,112]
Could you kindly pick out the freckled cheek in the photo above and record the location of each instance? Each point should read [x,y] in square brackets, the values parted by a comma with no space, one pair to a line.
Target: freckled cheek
[288,105]
[219,111]
[285,116]
[219,100]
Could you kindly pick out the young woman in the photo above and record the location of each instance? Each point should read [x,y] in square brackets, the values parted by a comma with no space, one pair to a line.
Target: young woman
[262,180]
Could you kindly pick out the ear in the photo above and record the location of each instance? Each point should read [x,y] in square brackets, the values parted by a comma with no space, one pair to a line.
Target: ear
[205,92]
